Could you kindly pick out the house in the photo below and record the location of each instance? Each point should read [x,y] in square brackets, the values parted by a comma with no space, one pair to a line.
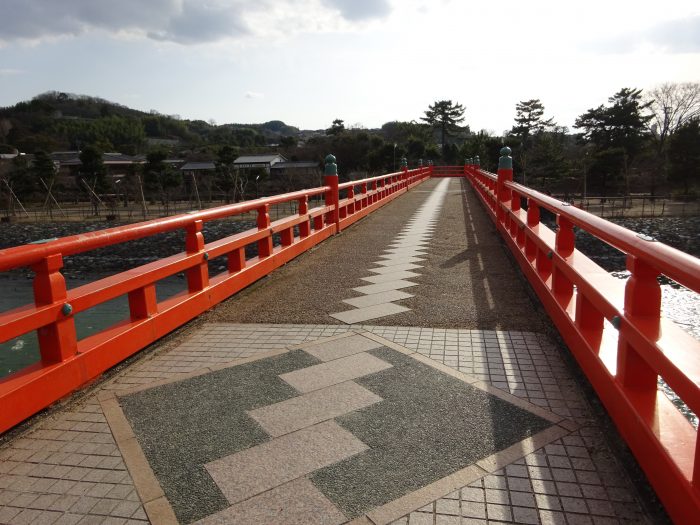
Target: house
[265,162]
[197,168]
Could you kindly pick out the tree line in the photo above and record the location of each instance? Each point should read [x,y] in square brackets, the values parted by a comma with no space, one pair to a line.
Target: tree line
[638,142]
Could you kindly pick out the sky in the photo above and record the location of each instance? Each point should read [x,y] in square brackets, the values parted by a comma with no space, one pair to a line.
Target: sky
[367,62]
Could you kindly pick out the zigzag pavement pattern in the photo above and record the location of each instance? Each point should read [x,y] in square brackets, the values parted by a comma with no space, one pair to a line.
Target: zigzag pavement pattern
[396,265]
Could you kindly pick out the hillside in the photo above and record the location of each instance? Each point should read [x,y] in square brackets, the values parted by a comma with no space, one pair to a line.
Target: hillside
[56,121]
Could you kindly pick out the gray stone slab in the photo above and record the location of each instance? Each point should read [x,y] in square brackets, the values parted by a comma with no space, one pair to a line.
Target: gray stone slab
[312,408]
[334,372]
[266,466]
[298,502]
[395,268]
[410,241]
[359,315]
[407,251]
[393,276]
[414,238]
[392,261]
[343,347]
[403,256]
[384,287]
[377,298]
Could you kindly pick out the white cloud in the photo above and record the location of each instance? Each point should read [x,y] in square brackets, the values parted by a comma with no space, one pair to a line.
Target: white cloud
[671,36]
[254,94]
[360,9]
[8,72]
[181,21]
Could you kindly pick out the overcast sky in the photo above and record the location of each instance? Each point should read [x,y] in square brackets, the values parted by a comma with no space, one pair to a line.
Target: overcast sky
[307,62]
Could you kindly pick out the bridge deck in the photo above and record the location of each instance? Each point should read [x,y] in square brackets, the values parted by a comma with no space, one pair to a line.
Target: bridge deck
[456,407]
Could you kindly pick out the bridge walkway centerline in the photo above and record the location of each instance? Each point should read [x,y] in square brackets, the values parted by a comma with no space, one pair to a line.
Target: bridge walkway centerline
[78,463]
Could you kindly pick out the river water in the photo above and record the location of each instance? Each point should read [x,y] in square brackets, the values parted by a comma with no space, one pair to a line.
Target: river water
[678,303]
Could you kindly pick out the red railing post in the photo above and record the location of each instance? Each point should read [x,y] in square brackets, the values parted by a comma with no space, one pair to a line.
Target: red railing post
[505,174]
[516,232]
[198,276]
[264,244]
[58,340]
[564,245]
[304,227]
[404,173]
[363,200]
[332,195]
[643,309]
[143,302]
[533,220]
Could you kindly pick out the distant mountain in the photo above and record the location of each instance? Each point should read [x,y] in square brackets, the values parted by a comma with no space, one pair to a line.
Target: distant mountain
[55,121]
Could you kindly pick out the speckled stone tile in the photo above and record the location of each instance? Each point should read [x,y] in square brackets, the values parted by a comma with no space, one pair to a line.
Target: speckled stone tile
[391,276]
[334,372]
[393,261]
[358,315]
[266,466]
[396,268]
[306,410]
[343,347]
[384,287]
[377,298]
[298,502]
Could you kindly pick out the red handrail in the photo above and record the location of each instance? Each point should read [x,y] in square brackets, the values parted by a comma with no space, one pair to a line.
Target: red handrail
[624,358]
[66,363]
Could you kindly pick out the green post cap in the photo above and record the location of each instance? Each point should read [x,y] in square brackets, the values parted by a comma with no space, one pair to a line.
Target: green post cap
[476,160]
[404,162]
[331,167]
[506,161]
[420,162]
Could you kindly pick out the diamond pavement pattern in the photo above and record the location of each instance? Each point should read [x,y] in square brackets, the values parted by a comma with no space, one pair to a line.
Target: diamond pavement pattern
[395,268]
[67,468]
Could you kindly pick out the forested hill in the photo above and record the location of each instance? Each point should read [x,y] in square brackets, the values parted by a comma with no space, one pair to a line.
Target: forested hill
[56,121]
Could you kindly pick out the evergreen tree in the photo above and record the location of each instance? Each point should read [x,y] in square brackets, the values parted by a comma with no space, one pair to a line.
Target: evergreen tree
[529,127]
[617,132]
[92,169]
[160,176]
[528,119]
[684,155]
[446,115]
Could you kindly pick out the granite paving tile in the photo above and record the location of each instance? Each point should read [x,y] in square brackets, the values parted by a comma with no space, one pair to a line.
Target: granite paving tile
[395,268]
[385,287]
[266,466]
[376,279]
[343,347]
[306,410]
[298,502]
[334,372]
[359,315]
[377,298]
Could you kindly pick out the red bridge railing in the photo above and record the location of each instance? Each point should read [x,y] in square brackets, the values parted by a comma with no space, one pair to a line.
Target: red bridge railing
[68,363]
[624,357]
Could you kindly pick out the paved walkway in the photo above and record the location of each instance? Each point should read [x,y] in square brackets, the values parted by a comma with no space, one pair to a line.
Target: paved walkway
[468,417]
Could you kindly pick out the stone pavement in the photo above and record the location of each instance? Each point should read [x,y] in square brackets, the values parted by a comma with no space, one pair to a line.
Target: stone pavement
[245,412]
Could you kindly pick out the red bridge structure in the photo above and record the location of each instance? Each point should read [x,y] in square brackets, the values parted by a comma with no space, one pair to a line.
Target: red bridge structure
[615,329]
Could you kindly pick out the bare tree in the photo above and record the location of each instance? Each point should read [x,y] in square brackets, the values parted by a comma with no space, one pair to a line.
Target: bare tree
[672,105]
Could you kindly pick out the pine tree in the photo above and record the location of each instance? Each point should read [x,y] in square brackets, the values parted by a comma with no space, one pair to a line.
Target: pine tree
[446,115]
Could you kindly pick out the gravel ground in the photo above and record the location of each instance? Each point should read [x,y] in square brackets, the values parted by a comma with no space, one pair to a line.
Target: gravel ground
[467,279]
